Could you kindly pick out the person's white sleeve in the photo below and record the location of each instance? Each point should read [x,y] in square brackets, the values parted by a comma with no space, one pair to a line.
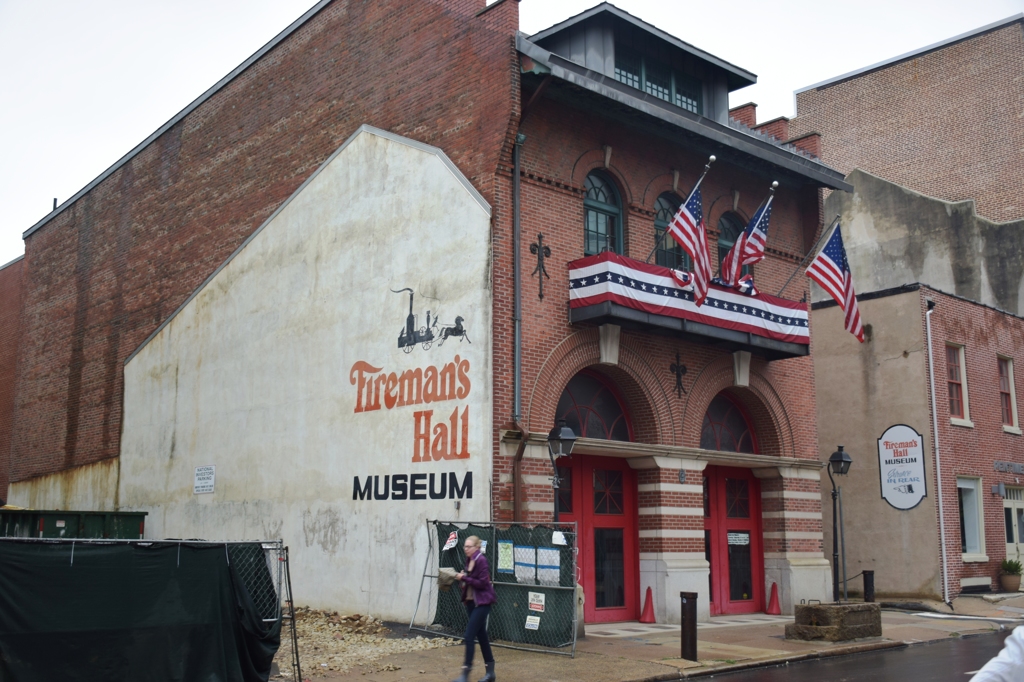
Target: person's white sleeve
[1008,666]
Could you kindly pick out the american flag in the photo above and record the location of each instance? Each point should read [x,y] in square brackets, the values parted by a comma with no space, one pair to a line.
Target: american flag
[687,228]
[749,247]
[831,270]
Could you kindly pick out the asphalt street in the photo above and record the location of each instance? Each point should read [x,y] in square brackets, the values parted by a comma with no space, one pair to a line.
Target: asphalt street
[953,659]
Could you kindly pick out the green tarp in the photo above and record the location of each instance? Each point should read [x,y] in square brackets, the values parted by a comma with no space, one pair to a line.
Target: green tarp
[130,611]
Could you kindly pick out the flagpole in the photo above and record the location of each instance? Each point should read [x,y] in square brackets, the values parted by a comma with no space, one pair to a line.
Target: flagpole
[771,193]
[810,253]
[657,244]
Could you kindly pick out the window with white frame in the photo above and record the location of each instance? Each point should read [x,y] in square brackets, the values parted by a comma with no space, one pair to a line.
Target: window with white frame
[972,533]
[956,382]
[1007,395]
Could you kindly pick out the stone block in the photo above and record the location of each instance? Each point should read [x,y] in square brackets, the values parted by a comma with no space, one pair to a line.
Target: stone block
[835,622]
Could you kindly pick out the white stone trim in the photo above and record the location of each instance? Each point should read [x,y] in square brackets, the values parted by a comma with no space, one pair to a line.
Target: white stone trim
[673,533]
[672,556]
[794,556]
[673,511]
[673,463]
[529,505]
[670,488]
[794,535]
[975,582]
[790,495]
[790,515]
[974,558]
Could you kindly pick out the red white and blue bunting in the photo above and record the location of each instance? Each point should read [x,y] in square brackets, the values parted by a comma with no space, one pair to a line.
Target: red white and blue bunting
[653,289]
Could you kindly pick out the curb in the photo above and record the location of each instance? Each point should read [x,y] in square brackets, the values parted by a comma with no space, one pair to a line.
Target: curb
[781,660]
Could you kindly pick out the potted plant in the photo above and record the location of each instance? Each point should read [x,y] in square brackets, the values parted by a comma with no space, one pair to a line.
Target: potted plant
[1009,575]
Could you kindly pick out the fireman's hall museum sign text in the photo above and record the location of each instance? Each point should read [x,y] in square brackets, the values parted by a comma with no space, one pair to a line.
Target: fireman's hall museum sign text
[901,466]
[446,438]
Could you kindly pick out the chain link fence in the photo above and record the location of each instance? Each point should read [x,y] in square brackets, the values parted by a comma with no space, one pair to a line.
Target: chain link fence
[260,566]
[533,568]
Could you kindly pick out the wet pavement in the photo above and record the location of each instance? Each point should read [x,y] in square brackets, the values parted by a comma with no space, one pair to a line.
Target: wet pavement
[953,659]
[748,648]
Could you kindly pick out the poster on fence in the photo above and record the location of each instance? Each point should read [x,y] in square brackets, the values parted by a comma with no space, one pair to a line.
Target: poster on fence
[549,569]
[533,622]
[526,564]
[506,557]
[537,602]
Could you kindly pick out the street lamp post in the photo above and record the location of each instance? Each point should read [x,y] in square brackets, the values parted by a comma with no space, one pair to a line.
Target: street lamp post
[560,442]
[839,462]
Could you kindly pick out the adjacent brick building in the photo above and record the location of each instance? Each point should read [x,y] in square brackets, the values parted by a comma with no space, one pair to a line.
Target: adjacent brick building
[10,330]
[978,486]
[698,456]
[942,120]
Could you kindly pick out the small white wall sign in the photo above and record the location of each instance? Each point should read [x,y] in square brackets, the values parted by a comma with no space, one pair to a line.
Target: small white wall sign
[901,467]
[205,478]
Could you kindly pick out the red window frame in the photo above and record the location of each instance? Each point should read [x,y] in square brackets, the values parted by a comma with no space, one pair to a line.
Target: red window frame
[1005,399]
[954,379]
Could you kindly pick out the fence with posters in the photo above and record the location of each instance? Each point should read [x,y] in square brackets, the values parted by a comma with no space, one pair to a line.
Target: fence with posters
[533,568]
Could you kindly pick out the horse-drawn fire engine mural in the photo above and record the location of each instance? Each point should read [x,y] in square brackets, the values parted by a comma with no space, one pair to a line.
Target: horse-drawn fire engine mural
[410,335]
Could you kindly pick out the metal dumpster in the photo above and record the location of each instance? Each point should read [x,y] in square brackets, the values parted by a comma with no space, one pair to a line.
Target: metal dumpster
[39,523]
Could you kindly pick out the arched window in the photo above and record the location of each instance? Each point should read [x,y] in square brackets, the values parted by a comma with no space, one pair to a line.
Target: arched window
[729,227]
[726,428]
[603,226]
[592,409]
[670,254]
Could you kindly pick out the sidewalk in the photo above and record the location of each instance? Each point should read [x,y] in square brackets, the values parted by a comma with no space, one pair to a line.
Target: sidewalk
[636,652]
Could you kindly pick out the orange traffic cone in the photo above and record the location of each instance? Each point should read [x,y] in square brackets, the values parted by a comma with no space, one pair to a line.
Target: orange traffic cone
[648,613]
[773,603]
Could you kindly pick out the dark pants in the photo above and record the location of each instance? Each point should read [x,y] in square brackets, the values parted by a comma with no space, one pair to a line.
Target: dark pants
[476,629]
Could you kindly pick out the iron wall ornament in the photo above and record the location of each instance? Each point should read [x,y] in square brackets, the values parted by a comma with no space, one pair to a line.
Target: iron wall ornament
[679,370]
[541,252]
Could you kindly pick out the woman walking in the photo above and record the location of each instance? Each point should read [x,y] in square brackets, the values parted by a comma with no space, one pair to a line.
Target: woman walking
[477,595]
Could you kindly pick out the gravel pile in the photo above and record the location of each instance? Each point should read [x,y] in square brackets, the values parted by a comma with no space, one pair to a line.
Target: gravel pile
[329,642]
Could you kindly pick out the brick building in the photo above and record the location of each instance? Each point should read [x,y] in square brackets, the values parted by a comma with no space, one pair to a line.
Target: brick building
[972,352]
[176,311]
[10,326]
[941,120]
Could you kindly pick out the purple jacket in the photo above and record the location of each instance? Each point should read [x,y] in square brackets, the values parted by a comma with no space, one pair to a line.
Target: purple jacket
[480,580]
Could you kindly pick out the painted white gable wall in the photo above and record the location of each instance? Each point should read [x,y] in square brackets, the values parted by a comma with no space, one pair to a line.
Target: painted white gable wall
[254,375]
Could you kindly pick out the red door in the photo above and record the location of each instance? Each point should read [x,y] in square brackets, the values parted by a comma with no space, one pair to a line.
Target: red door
[599,494]
[732,540]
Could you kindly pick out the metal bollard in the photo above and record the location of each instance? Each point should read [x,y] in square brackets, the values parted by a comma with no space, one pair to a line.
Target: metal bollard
[869,586]
[689,625]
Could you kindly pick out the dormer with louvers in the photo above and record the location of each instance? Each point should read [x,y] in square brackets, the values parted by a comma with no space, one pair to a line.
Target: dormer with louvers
[619,46]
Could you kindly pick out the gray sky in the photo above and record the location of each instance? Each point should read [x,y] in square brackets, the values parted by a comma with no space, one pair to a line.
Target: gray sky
[84,82]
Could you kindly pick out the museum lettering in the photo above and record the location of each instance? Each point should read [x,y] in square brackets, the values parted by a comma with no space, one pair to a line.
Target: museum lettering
[442,486]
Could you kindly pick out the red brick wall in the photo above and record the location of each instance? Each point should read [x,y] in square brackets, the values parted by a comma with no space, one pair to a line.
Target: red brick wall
[945,123]
[562,145]
[985,333]
[745,114]
[104,273]
[10,333]
[777,128]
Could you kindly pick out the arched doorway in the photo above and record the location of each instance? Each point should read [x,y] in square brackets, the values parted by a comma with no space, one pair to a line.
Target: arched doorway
[599,495]
[732,513]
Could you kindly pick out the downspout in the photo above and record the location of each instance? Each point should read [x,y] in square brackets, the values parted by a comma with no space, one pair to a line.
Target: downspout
[517,324]
[938,462]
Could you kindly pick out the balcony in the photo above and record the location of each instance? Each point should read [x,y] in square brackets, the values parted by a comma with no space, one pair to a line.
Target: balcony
[612,289]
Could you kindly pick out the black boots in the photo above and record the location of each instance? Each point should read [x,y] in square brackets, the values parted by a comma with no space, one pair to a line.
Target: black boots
[464,677]
[489,677]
